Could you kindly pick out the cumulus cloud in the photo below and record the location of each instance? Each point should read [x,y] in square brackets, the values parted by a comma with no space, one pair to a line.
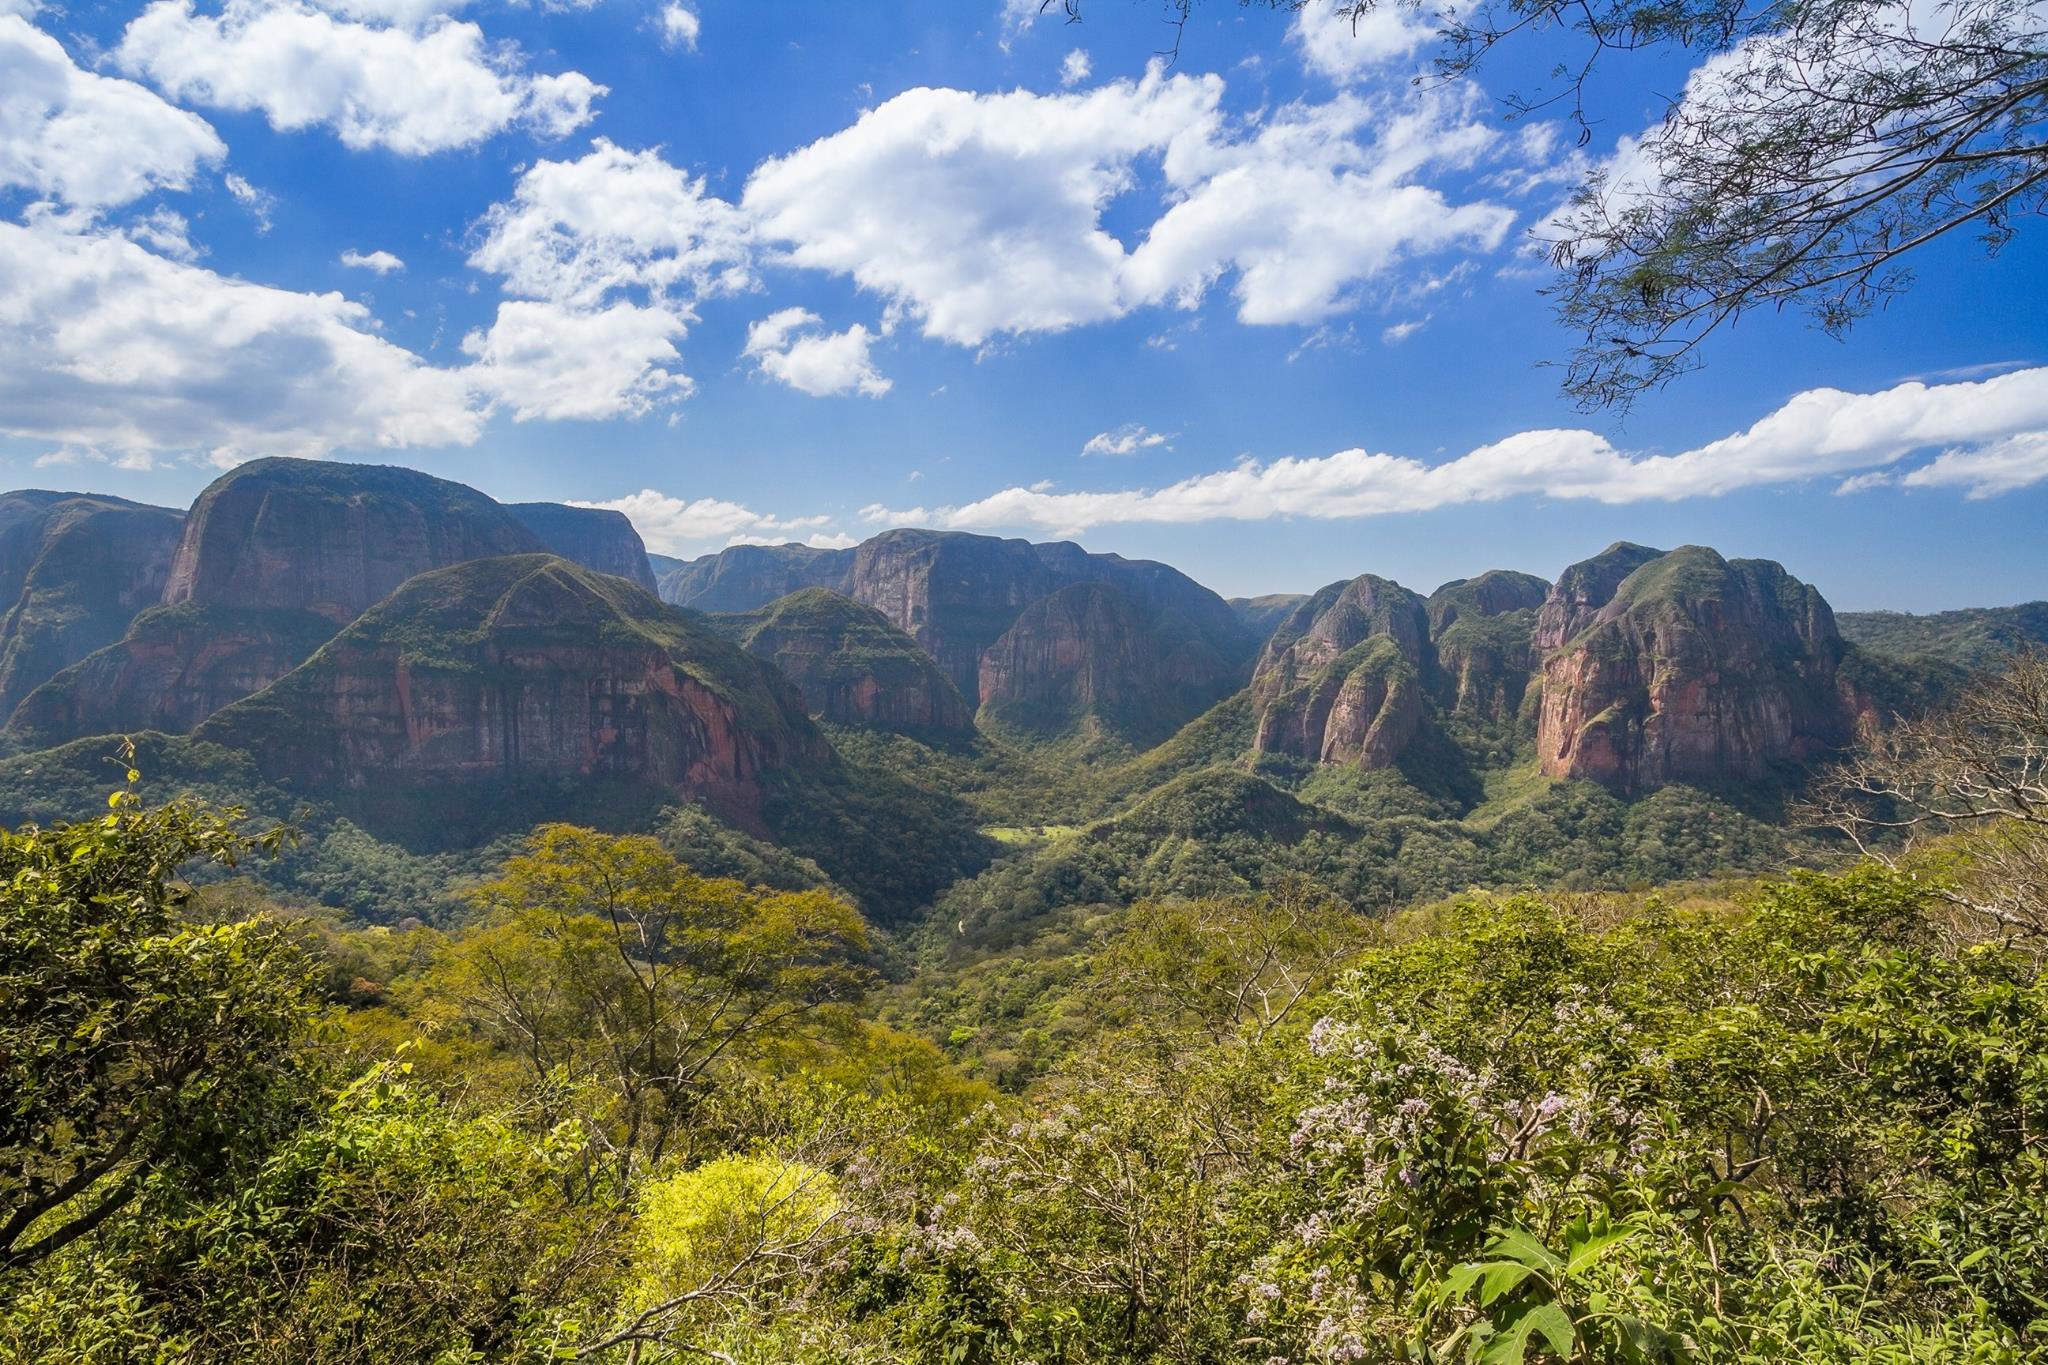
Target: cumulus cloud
[413,90]
[790,346]
[1993,436]
[89,141]
[679,526]
[982,215]
[616,245]
[2018,461]
[1075,67]
[1313,206]
[382,262]
[679,26]
[548,360]
[1344,42]
[1128,439]
[109,346]
[578,231]
[979,214]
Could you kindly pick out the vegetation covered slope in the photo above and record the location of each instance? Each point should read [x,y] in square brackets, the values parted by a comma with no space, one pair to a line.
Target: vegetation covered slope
[1974,639]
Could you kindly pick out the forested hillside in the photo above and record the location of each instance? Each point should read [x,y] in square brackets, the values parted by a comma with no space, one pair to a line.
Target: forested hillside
[421,941]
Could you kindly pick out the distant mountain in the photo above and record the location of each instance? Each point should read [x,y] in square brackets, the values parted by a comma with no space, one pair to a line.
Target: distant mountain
[745,577]
[595,537]
[1977,638]
[851,665]
[957,595]
[1688,667]
[1089,651]
[1341,680]
[526,668]
[274,557]
[1483,632]
[1260,615]
[75,568]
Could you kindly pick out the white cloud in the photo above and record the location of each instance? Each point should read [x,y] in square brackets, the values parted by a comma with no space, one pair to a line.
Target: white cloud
[981,215]
[1343,42]
[1128,439]
[258,202]
[90,141]
[2018,461]
[106,345]
[679,26]
[1308,209]
[1399,332]
[1994,436]
[1075,67]
[675,526]
[617,245]
[382,262]
[412,90]
[578,231]
[549,360]
[788,346]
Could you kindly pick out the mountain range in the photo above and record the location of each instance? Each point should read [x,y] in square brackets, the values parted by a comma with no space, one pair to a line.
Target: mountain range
[372,638]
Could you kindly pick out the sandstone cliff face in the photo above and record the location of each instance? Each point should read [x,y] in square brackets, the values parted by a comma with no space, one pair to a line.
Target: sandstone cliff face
[1481,630]
[527,667]
[595,537]
[851,665]
[953,594]
[270,551]
[1341,681]
[175,667]
[330,538]
[746,577]
[1693,668]
[74,570]
[1089,650]
[1584,588]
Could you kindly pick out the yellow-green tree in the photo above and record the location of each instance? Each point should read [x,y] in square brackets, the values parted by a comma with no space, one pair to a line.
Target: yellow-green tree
[624,981]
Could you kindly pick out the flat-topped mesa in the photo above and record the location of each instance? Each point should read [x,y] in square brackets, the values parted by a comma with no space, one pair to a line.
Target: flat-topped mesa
[1341,681]
[747,577]
[953,592]
[1691,668]
[851,665]
[598,538]
[331,538]
[275,556]
[75,568]
[1481,629]
[1089,651]
[527,667]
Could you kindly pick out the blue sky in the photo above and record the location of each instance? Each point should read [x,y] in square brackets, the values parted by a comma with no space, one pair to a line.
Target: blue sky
[804,271]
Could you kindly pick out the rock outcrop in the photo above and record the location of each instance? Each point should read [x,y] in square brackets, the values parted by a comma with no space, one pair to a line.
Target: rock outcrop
[75,568]
[595,537]
[1688,667]
[1342,679]
[269,551]
[175,667]
[1481,630]
[851,665]
[952,592]
[505,671]
[330,538]
[747,577]
[1088,651]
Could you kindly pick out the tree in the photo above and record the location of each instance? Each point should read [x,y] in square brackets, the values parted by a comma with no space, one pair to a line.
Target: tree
[131,1040]
[613,970]
[1974,775]
[1815,149]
